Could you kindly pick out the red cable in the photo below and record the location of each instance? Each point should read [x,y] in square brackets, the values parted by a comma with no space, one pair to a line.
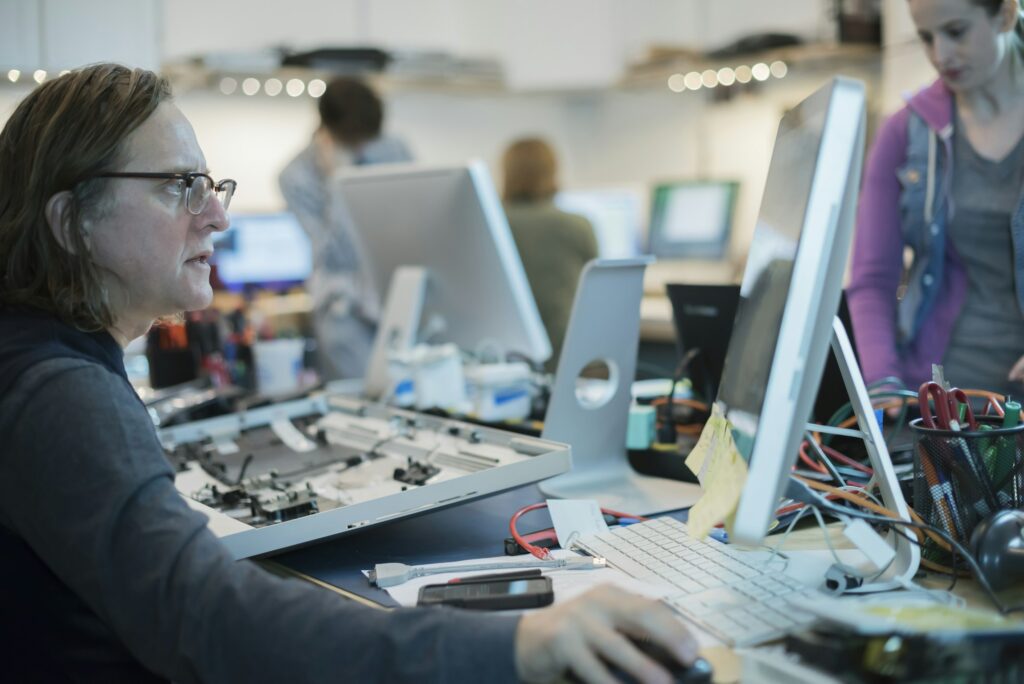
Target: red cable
[838,455]
[853,463]
[543,553]
[813,465]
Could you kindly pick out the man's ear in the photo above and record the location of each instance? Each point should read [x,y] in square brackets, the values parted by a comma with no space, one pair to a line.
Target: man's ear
[57,216]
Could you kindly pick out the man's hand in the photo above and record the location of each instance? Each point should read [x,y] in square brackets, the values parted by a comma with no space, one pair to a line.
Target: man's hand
[587,634]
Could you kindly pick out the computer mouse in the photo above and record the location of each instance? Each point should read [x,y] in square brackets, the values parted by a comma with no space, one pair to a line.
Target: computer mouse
[698,673]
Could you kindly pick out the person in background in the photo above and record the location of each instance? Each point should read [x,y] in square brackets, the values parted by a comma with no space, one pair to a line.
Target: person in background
[107,218]
[344,307]
[554,245]
[943,185]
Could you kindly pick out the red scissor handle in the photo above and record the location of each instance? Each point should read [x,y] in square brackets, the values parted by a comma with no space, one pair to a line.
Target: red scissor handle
[940,420]
[957,398]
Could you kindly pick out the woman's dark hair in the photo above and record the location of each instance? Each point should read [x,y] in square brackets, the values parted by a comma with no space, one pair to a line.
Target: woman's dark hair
[993,7]
[351,111]
[59,138]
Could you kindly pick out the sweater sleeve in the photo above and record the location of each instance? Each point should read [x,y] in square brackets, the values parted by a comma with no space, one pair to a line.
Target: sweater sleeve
[878,254]
[114,529]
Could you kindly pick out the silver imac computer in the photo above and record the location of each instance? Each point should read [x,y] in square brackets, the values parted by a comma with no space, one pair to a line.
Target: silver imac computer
[615,213]
[449,221]
[789,298]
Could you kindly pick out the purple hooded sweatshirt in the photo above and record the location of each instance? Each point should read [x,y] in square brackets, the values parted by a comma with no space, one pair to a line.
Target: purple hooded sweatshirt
[884,349]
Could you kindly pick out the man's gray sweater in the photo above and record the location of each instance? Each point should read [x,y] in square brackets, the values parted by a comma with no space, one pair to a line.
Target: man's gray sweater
[109,575]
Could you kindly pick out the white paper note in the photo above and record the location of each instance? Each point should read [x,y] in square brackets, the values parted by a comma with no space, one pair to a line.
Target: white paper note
[575,518]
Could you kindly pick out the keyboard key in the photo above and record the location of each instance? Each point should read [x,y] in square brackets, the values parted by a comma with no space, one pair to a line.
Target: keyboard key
[722,623]
[778,620]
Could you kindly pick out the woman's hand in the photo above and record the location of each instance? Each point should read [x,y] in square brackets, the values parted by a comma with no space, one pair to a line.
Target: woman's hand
[588,634]
[1017,372]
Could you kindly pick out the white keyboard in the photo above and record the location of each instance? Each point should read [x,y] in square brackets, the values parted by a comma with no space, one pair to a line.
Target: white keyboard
[739,601]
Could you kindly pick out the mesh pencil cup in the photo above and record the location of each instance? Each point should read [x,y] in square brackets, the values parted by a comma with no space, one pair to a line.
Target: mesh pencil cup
[961,478]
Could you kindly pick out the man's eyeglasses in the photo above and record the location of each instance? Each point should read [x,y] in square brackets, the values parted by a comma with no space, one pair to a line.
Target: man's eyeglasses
[199,187]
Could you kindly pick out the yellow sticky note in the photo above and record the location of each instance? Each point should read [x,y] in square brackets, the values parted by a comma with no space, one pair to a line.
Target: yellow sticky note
[698,461]
[722,472]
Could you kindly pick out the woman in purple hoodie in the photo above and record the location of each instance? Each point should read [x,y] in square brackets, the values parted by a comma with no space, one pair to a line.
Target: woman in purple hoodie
[938,258]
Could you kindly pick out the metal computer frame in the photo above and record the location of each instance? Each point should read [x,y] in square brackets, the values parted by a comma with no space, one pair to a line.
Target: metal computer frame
[364,425]
[908,553]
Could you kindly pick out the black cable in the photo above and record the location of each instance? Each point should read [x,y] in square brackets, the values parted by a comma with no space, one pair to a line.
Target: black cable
[667,434]
[245,466]
[809,439]
[804,494]
[886,522]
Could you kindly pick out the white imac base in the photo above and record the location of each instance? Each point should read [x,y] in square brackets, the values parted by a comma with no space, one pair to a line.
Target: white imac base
[605,326]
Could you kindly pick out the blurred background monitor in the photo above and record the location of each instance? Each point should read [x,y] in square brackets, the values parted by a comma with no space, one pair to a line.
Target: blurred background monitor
[448,220]
[692,219]
[266,250]
[615,213]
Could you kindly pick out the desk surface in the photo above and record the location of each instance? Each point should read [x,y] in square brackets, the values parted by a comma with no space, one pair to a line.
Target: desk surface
[478,529]
[473,530]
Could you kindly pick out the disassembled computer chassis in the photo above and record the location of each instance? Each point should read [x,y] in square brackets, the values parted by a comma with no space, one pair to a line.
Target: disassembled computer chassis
[376,463]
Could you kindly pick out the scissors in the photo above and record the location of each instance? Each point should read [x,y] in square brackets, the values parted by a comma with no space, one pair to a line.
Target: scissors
[947,407]
[947,417]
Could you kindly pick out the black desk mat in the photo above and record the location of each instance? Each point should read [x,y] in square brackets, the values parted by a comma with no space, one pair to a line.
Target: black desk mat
[472,530]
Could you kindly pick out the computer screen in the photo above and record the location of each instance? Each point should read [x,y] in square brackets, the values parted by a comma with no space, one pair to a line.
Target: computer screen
[790,292]
[262,249]
[615,213]
[450,221]
[692,219]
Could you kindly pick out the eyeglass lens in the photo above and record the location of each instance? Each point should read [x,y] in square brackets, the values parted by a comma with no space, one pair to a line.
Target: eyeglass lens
[202,188]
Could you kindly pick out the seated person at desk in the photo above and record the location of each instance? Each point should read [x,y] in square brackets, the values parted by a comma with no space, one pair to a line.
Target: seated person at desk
[554,245]
[943,180]
[107,214]
[344,314]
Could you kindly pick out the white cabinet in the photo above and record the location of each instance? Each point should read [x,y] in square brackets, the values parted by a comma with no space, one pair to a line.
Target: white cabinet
[436,25]
[19,35]
[583,43]
[197,27]
[541,44]
[60,34]
[74,33]
[565,44]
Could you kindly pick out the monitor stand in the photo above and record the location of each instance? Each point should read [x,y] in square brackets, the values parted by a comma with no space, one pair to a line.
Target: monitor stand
[605,327]
[908,554]
[399,323]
